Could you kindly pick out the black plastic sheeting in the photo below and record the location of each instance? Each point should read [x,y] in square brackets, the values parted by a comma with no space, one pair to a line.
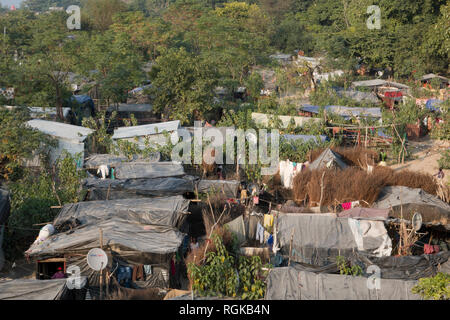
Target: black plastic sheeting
[406,268]
[137,188]
[5,206]
[166,211]
[145,170]
[30,289]
[290,283]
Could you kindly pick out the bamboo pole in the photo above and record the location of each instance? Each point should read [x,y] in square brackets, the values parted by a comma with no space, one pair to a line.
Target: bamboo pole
[101,270]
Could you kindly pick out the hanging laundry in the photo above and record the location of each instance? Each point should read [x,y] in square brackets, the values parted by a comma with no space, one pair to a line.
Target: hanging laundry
[266,236]
[355,204]
[430,249]
[288,171]
[268,220]
[347,205]
[138,273]
[260,233]
[104,170]
[147,270]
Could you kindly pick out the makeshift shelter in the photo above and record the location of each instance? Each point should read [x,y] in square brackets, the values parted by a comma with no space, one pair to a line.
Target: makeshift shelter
[405,201]
[345,112]
[365,213]
[155,133]
[226,187]
[318,239]
[426,79]
[288,283]
[166,211]
[134,232]
[70,138]
[328,159]
[108,189]
[265,119]
[144,170]
[94,161]
[82,107]
[359,96]
[143,113]
[376,83]
[31,289]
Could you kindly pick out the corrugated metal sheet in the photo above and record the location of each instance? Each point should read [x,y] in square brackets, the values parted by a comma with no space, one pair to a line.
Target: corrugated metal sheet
[150,129]
[61,130]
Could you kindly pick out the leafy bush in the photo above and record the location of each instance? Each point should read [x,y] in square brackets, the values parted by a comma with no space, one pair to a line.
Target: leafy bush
[222,274]
[346,269]
[434,288]
[17,142]
[32,198]
[444,161]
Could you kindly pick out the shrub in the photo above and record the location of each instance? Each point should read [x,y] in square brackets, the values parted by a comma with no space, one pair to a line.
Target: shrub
[434,288]
[222,274]
[444,161]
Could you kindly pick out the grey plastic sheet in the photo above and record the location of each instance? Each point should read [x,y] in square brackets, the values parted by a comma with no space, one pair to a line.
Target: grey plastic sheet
[166,211]
[30,289]
[229,188]
[392,267]
[120,236]
[288,283]
[317,239]
[137,188]
[146,170]
[406,201]
[326,157]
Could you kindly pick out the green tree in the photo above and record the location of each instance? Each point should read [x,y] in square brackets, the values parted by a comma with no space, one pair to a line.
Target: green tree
[183,86]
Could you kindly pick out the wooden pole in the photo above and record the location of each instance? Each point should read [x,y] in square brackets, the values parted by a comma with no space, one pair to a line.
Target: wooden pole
[290,247]
[101,271]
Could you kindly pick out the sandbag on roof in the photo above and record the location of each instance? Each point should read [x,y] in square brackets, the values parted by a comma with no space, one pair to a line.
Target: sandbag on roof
[137,188]
[230,188]
[167,211]
[152,244]
[328,158]
[319,239]
[30,289]
[145,170]
[365,213]
[432,209]
[5,206]
[288,283]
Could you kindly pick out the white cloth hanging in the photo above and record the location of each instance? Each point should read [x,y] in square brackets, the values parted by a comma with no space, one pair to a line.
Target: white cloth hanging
[104,170]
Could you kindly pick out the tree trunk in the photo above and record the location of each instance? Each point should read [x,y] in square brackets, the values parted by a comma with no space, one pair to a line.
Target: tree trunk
[59,103]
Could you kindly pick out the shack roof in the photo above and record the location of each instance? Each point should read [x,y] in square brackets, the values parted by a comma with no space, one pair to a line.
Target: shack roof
[145,130]
[61,130]
[379,83]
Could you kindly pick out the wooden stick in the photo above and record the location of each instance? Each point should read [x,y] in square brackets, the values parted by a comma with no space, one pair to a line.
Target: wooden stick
[290,247]
[101,271]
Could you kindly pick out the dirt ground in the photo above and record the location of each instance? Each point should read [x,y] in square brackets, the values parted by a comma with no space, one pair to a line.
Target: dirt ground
[425,153]
[21,270]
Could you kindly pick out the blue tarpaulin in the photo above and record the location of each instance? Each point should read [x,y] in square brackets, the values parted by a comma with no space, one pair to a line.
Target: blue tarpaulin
[433,104]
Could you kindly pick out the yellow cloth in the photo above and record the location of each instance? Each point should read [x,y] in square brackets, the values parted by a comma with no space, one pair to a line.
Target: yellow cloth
[268,220]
